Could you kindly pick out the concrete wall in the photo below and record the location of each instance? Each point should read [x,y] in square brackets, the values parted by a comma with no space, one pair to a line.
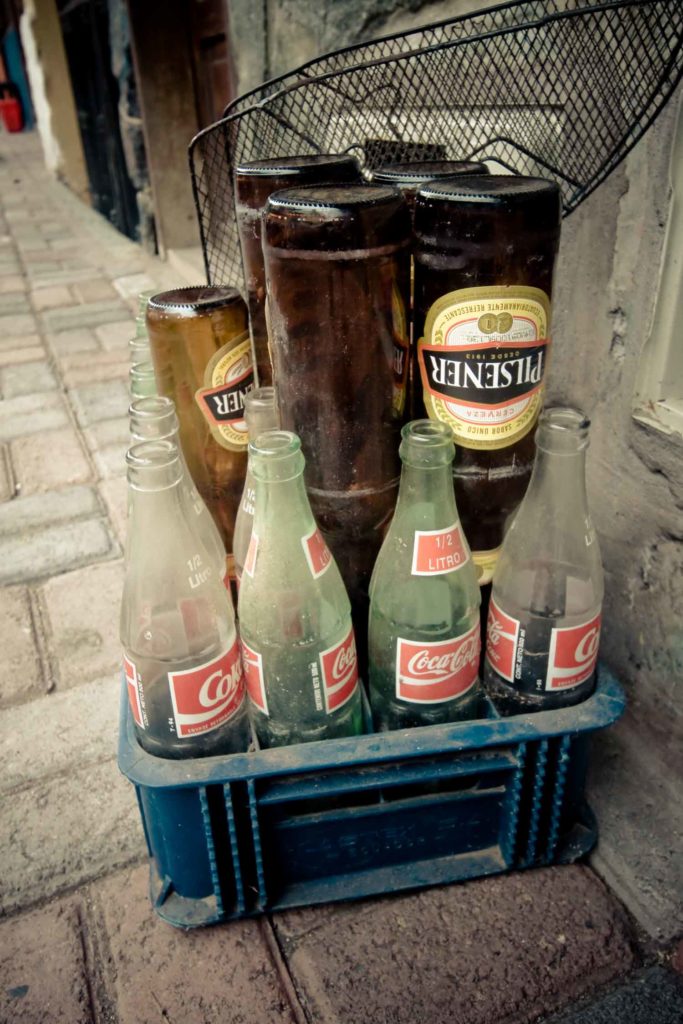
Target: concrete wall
[269,37]
[48,74]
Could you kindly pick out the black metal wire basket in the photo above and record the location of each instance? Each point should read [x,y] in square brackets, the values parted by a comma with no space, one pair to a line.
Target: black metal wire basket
[562,89]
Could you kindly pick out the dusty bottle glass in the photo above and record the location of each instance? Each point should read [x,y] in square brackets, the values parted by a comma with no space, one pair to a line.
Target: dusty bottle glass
[154,419]
[424,632]
[298,645]
[261,413]
[545,610]
[338,270]
[181,654]
[254,182]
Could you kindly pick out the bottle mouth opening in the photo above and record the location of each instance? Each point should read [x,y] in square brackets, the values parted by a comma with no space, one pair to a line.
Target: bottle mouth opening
[564,417]
[275,444]
[427,433]
[563,429]
[142,370]
[152,407]
[152,454]
[260,398]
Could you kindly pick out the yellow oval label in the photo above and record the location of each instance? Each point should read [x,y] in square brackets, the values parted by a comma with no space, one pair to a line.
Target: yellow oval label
[483,360]
[228,377]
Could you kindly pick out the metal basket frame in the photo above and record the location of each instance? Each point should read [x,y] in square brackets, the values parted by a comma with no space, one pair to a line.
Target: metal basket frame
[560,90]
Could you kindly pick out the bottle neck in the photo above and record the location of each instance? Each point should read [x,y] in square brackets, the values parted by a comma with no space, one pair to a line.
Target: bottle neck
[560,478]
[282,506]
[430,488]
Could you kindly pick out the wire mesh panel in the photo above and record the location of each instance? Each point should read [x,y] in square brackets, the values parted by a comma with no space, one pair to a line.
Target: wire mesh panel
[560,90]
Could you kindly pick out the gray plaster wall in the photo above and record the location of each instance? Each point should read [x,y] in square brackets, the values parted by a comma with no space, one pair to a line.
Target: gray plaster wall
[606,286]
[270,37]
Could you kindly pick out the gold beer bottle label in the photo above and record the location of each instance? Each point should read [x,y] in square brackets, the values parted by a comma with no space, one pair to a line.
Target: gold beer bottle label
[483,360]
[228,376]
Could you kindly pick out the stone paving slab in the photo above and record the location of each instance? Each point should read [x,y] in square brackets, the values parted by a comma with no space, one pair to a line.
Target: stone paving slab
[103,401]
[21,673]
[81,619]
[55,550]
[28,379]
[156,973]
[653,996]
[48,461]
[36,512]
[67,830]
[498,949]
[87,717]
[43,977]
[29,414]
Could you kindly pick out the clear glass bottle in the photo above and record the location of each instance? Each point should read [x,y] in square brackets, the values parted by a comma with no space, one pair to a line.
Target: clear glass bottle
[261,413]
[181,654]
[298,645]
[424,632]
[154,419]
[544,617]
[143,382]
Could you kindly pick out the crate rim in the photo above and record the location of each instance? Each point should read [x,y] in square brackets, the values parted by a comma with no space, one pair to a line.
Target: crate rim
[600,710]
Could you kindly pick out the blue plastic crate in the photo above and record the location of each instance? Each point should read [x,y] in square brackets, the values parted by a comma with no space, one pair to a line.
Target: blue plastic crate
[235,836]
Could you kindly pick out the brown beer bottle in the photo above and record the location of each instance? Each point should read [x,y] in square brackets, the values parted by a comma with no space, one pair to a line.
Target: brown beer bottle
[409,178]
[337,265]
[484,255]
[254,182]
[411,175]
[202,360]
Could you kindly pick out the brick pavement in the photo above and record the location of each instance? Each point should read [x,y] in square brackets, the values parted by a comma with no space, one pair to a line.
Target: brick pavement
[78,940]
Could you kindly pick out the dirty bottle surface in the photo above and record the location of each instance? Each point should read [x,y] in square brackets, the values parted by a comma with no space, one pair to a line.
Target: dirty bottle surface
[298,644]
[182,659]
[424,633]
[544,615]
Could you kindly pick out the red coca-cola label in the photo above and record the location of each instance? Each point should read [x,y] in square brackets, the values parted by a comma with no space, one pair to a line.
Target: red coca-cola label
[339,669]
[134,698]
[208,695]
[252,551]
[253,674]
[317,553]
[428,673]
[502,641]
[573,654]
[439,551]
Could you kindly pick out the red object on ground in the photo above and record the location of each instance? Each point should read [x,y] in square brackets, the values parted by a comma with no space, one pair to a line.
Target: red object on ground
[10,108]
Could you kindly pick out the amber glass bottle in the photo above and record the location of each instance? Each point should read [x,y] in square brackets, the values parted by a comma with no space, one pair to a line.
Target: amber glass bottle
[202,358]
[410,176]
[254,182]
[337,265]
[484,254]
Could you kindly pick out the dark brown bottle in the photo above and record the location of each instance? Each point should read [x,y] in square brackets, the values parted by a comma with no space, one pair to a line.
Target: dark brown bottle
[484,254]
[254,182]
[202,360]
[337,265]
[410,176]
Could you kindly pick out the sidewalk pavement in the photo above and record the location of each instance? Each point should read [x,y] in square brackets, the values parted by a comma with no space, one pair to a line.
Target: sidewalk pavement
[79,943]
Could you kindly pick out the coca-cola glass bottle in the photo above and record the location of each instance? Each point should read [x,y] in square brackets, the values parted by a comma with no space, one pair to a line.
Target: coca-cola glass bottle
[154,419]
[424,633]
[544,617]
[261,413]
[181,654]
[298,645]
[143,383]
